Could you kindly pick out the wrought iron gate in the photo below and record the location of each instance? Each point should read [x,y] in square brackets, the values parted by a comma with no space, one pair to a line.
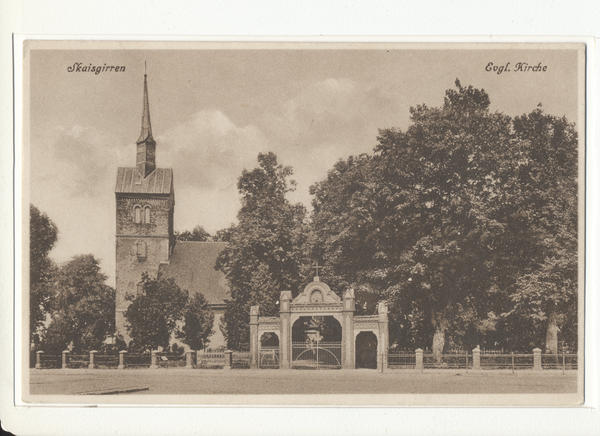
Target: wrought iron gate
[268,357]
[317,355]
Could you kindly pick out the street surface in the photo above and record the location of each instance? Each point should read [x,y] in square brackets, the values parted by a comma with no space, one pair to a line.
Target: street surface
[277,382]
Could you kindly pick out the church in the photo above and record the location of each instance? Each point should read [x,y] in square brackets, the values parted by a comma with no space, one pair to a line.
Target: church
[145,241]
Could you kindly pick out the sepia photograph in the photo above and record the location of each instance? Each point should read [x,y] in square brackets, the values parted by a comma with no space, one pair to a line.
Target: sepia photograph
[316,223]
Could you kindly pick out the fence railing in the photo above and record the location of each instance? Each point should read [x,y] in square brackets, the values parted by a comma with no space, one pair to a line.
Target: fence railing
[138,360]
[210,359]
[240,359]
[481,361]
[559,361]
[449,361]
[507,361]
[106,361]
[309,356]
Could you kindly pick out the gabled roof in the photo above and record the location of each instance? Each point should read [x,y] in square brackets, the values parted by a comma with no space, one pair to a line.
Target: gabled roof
[159,181]
[192,267]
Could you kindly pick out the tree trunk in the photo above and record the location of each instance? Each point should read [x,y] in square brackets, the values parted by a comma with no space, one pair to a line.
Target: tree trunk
[552,332]
[440,323]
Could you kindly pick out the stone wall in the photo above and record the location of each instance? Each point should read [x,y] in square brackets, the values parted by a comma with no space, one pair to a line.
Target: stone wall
[160,212]
[156,235]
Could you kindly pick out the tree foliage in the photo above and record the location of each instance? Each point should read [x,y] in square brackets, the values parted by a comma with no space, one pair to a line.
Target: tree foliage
[82,307]
[197,323]
[43,236]
[162,311]
[198,234]
[465,223]
[264,252]
[155,314]
[546,288]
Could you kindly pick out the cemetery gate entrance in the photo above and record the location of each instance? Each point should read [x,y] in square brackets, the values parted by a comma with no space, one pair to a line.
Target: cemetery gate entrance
[315,330]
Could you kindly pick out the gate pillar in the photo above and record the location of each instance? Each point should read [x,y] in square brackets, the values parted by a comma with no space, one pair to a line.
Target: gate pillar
[348,361]
[285,341]
[383,340]
[254,337]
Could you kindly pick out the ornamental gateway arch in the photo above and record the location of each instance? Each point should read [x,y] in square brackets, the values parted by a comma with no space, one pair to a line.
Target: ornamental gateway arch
[293,339]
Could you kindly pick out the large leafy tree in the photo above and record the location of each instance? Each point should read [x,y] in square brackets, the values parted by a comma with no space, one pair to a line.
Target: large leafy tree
[82,307]
[264,252]
[43,236]
[453,224]
[445,196]
[156,313]
[545,246]
[197,323]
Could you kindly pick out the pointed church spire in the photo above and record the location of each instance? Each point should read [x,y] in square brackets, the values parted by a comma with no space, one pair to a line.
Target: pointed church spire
[146,126]
[146,147]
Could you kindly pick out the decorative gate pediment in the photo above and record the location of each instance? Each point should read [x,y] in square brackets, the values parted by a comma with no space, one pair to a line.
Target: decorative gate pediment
[317,293]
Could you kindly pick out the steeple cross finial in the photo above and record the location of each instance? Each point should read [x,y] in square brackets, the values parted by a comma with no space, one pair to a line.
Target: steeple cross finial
[144,68]
[316,267]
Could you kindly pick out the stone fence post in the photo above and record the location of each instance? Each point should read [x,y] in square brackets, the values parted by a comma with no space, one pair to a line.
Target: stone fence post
[419,359]
[537,359]
[477,358]
[254,341]
[38,359]
[65,359]
[228,359]
[92,365]
[122,354]
[188,360]
[153,364]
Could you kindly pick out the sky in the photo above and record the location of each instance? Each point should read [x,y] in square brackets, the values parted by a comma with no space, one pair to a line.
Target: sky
[215,107]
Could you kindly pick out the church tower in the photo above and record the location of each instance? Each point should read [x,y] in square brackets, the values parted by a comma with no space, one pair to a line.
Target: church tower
[145,202]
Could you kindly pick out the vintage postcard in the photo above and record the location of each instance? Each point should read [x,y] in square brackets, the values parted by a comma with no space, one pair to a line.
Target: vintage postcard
[382,224]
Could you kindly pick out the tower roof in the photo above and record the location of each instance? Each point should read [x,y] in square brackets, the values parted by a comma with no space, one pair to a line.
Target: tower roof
[130,181]
[146,135]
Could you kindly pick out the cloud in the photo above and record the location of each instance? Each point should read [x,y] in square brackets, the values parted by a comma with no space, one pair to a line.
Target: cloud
[331,110]
[325,121]
[78,161]
[72,175]
[209,150]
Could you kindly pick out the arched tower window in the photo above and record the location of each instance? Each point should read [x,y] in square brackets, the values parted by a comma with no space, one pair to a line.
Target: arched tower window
[141,250]
[147,214]
[137,210]
[140,288]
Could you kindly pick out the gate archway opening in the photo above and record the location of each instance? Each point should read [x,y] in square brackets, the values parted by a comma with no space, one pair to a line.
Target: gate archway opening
[323,328]
[316,343]
[366,350]
[268,351]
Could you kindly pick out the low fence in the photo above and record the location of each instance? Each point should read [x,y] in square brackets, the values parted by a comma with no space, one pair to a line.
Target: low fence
[481,361]
[210,359]
[308,357]
[240,360]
